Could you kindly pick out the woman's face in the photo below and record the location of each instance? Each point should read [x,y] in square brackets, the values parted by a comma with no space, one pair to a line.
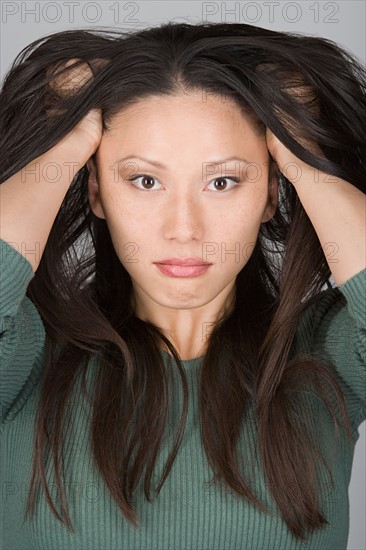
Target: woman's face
[182,153]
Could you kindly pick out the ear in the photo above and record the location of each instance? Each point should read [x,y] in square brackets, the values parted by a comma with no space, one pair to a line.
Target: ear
[93,190]
[272,202]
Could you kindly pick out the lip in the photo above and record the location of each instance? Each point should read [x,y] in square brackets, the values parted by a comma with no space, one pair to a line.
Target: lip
[194,260]
[182,271]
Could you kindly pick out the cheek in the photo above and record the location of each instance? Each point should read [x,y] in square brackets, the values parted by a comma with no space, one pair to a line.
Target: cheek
[132,240]
[123,231]
[120,213]
[244,215]
[124,234]
[238,232]
[231,244]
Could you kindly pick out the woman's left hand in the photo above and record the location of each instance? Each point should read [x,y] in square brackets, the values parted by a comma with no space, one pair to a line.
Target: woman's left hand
[335,207]
[289,164]
[340,227]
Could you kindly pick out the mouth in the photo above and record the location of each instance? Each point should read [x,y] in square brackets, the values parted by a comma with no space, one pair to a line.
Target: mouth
[182,271]
[193,261]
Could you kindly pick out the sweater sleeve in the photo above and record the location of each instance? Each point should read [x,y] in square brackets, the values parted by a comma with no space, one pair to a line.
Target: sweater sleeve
[337,324]
[22,333]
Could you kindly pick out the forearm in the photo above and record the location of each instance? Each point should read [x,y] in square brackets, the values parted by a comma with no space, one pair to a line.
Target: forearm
[337,210]
[31,199]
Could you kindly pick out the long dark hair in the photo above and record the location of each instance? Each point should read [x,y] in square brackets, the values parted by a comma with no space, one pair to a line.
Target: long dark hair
[83,292]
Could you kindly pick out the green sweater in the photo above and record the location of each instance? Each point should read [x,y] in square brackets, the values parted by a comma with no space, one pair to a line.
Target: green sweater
[187,514]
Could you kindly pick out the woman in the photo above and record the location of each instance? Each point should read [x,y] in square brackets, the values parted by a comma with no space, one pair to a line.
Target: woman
[241,151]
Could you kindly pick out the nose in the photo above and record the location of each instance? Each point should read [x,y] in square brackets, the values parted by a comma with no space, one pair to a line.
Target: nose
[182,219]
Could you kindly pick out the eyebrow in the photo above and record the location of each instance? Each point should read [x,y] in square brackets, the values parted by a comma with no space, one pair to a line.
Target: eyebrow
[160,165]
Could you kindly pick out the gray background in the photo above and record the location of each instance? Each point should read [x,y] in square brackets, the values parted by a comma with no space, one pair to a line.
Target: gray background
[341,21]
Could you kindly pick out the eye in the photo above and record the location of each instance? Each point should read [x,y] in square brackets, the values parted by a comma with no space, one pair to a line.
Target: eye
[223,179]
[144,176]
[222,187]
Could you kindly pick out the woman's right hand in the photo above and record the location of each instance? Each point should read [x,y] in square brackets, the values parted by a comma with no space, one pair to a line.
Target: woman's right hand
[85,138]
[30,201]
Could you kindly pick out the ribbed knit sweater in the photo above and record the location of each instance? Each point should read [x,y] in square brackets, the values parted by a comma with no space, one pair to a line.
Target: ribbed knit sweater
[188,513]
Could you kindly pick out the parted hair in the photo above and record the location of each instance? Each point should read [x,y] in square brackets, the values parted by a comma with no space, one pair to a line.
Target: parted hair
[83,292]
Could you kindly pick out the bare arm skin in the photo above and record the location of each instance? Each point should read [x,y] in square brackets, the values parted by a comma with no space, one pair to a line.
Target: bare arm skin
[31,198]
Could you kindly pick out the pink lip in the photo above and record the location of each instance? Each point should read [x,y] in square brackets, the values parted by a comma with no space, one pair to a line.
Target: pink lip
[183,271]
[183,261]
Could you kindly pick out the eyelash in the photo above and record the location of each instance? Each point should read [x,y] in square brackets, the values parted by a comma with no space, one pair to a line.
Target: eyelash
[237,180]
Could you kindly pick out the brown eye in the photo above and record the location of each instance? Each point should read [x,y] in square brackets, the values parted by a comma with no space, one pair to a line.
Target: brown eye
[147,181]
[221,183]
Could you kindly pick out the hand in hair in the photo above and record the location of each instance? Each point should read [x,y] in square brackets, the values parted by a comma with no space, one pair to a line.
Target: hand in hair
[287,162]
[342,225]
[65,85]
